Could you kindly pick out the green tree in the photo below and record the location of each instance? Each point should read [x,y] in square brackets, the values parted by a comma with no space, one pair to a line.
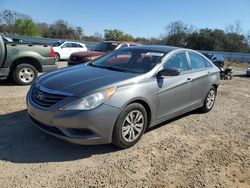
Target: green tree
[61,30]
[117,35]
[113,34]
[177,33]
[27,27]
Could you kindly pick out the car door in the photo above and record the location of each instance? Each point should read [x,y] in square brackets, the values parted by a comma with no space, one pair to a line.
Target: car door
[74,48]
[174,92]
[81,47]
[200,78]
[66,50]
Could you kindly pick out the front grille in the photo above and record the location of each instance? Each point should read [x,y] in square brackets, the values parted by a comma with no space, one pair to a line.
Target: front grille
[45,99]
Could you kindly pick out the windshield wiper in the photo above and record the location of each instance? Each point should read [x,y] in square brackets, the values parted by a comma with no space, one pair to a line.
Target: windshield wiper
[113,68]
[109,68]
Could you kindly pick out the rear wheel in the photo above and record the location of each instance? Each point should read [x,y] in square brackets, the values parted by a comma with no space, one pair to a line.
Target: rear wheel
[209,101]
[24,74]
[57,57]
[130,126]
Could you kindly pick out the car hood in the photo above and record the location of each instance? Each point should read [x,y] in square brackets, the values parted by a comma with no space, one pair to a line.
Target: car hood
[88,54]
[82,80]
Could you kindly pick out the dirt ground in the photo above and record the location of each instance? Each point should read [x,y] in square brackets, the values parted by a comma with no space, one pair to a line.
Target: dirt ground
[194,150]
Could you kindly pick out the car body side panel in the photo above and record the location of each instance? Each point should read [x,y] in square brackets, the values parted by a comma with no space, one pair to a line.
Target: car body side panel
[143,91]
[38,52]
[173,94]
[200,80]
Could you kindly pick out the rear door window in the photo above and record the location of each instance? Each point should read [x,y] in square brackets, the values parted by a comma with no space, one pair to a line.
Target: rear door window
[74,45]
[197,61]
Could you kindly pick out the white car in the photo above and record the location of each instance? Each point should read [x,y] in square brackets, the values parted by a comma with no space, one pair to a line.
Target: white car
[63,49]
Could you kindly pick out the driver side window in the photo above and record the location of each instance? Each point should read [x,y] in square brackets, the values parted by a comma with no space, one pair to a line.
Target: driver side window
[178,60]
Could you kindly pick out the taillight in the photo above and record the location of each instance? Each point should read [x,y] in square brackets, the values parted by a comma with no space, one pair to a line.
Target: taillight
[52,53]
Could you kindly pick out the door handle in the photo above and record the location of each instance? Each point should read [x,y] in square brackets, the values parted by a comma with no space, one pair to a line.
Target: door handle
[189,79]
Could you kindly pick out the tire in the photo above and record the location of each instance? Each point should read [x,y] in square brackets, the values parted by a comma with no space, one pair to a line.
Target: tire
[57,57]
[125,126]
[209,101]
[24,74]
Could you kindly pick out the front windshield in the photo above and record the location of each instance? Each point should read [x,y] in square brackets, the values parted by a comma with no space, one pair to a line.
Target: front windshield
[129,60]
[106,47]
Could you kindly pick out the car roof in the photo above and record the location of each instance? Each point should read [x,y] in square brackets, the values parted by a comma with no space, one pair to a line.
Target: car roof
[157,48]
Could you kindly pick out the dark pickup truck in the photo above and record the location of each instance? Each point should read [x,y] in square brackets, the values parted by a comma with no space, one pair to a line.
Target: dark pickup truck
[22,61]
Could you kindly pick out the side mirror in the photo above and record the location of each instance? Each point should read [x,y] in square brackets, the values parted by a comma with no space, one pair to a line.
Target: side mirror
[169,72]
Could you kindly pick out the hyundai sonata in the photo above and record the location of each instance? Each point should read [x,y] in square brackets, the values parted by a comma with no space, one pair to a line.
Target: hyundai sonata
[115,98]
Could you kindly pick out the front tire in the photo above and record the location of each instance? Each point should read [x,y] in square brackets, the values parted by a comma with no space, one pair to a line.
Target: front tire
[130,126]
[24,74]
[209,101]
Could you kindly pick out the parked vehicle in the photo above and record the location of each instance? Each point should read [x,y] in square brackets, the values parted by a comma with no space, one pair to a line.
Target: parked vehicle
[100,50]
[226,73]
[63,49]
[115,98]
[22,61]
[248,71]
[218,60]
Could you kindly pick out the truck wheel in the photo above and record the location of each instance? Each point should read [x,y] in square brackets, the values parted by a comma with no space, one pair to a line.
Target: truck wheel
[24,74]
[57,57]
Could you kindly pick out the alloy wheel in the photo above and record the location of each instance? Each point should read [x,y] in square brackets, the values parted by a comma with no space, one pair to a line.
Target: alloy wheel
[132,126]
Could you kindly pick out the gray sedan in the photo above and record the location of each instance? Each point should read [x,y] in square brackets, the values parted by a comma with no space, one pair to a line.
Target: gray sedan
[115,98]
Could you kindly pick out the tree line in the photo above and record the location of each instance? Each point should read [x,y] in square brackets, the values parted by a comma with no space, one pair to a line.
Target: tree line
[231,39]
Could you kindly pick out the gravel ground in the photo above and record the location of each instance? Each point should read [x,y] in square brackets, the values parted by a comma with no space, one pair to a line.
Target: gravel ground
[194,150]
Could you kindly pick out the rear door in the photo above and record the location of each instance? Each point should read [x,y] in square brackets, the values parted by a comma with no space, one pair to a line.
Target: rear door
[75,47]
[174,92]
[200,78]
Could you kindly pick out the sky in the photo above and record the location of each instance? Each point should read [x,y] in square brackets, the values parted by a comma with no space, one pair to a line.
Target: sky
[140,18]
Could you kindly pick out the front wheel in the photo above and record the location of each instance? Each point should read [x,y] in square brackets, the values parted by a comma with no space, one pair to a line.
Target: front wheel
[130,126]
[24,74]
[209,101]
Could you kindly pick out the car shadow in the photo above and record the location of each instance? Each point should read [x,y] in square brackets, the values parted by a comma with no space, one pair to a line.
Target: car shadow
[7,82]
[21,142]
[172,120]
[241,75]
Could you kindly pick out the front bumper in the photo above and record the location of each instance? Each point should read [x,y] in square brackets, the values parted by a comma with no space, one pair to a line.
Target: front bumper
[80,127]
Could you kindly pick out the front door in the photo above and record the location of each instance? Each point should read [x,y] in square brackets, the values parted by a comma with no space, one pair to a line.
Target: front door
[174,92]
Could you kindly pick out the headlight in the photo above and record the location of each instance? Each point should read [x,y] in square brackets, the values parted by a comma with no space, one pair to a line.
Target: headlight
[91,101]
[87,59]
